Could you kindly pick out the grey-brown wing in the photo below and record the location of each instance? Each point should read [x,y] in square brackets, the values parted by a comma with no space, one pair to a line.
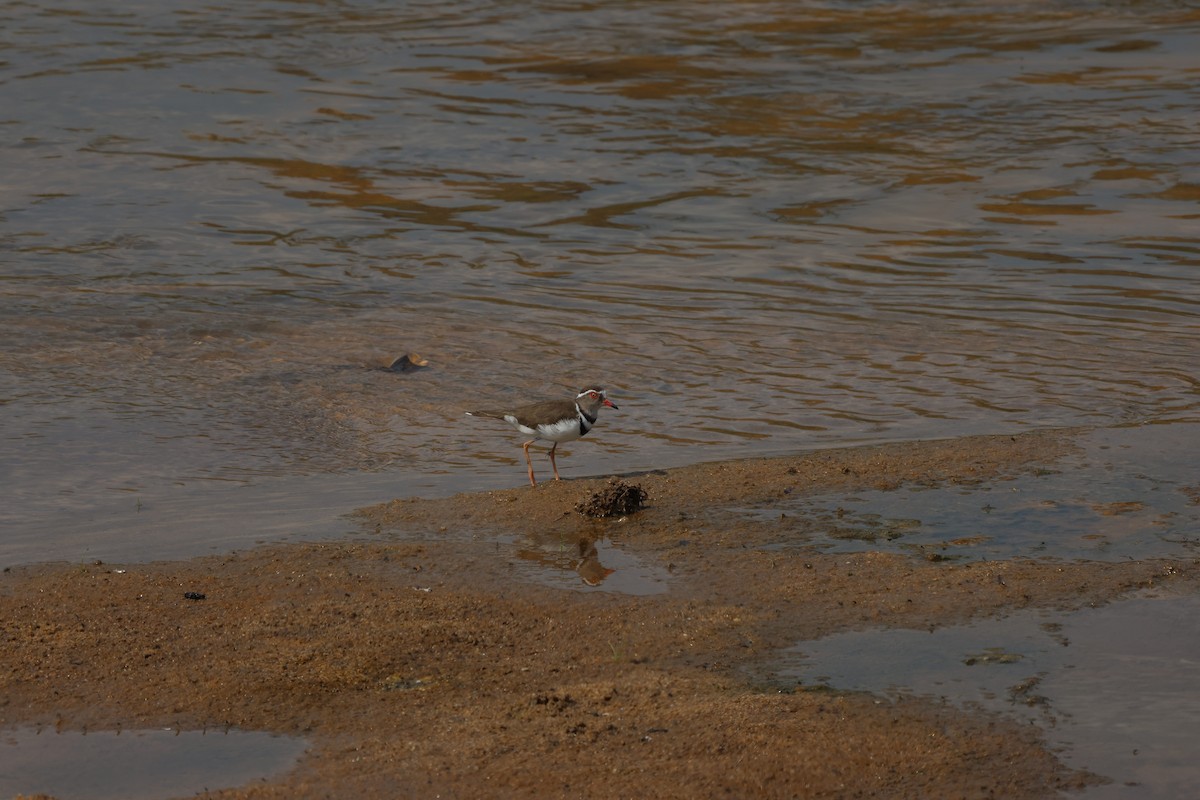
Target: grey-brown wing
[544,413]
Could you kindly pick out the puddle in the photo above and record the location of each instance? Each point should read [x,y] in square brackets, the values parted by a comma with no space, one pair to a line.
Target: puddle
[1114,687]
[1130,493]
[132,765]
[586,565]
[563,561]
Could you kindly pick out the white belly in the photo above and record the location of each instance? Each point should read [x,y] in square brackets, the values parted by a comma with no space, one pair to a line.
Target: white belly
[566,430]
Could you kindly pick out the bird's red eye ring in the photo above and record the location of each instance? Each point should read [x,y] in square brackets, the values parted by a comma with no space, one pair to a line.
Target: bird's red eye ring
[593,395]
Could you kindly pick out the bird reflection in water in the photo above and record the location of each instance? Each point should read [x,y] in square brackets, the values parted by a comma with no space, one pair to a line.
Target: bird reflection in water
[589,567]
[582,558]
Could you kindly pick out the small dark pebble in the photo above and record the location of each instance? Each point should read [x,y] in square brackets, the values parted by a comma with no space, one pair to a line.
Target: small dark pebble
[193,595]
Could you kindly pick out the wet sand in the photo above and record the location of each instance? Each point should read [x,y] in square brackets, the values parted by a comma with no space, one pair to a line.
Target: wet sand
[418,663]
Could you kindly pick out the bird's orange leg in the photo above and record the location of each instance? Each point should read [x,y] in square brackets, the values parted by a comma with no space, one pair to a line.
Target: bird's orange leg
[552,462]
[532,480]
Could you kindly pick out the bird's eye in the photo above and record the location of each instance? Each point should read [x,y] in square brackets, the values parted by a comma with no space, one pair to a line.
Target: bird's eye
[593,395]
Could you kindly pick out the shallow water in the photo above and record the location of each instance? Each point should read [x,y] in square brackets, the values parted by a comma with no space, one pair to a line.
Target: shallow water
[586,565]
[766,226]
[136,764]
[1126,493]
[1113,687]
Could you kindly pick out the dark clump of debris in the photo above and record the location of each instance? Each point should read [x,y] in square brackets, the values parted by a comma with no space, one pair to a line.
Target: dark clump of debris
[617,498]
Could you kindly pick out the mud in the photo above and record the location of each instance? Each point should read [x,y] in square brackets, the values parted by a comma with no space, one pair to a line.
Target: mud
[418,664]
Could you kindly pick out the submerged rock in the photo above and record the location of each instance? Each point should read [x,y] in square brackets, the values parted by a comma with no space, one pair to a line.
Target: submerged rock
[407,363]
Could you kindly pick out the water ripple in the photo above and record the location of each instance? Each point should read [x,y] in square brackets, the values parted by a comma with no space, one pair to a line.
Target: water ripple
[764,228]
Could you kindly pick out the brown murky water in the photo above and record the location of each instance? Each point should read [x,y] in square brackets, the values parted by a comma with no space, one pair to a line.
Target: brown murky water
[766,226]
[138,764]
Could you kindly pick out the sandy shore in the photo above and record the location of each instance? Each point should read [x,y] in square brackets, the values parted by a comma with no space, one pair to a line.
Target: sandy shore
[418,663]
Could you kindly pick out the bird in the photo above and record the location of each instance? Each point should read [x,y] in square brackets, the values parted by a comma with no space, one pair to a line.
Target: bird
[553,420]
